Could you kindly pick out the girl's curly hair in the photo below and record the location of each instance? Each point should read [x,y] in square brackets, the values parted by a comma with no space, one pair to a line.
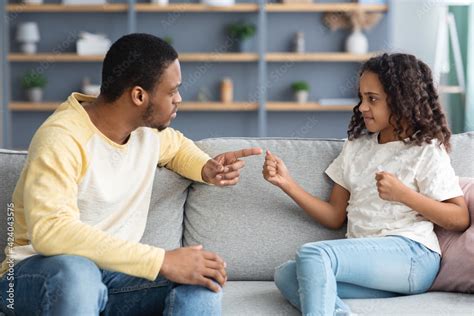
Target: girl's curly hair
[411,97]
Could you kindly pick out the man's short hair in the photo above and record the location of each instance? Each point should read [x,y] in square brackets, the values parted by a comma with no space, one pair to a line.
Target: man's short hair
[134,60]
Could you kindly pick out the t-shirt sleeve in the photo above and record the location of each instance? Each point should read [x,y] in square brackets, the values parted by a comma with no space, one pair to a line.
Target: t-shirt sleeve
[181,155]
[335,171]
[435,176]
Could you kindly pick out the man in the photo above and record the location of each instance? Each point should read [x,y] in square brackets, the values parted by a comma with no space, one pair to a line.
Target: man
[82,200]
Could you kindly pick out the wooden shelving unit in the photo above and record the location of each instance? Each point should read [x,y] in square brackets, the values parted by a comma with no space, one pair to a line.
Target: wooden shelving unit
[324,7]
[310,106]
[317,57]
[195,7]
[184,57]
[61,8]
[134,12]
[186,106]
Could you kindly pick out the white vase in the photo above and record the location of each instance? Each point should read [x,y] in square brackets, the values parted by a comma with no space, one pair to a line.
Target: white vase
[160,2]
[34,94]
[28,48]
[357,43]
[301,96]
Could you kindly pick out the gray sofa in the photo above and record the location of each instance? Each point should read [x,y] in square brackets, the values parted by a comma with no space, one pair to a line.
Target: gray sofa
[255,227]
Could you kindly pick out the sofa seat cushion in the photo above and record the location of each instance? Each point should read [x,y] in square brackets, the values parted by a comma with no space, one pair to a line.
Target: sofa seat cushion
[263,298]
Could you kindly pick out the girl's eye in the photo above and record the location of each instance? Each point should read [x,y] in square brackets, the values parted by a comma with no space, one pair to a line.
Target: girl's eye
[372,99]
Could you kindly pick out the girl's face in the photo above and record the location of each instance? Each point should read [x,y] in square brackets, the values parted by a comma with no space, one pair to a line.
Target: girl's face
[374,106]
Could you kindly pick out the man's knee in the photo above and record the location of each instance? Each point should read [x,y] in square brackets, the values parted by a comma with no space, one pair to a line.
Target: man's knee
[74,278]
[200,300]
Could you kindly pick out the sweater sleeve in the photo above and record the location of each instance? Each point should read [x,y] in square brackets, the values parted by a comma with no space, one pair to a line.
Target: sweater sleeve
[181,155]
[55,165]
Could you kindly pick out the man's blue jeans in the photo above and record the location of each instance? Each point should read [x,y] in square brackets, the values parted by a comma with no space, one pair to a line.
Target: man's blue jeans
[325,272]
[72,285]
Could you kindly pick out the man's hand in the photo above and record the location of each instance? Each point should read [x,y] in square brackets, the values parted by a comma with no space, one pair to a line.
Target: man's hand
[275,171]
[224,169]
[193,265]
[389,187]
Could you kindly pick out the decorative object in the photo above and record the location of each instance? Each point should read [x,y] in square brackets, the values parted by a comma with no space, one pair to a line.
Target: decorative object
[301,90]
[33,83]
[298,42]
[28,35]
[358,20]
[84,2]
[92,44]
[227,90]
[90,89]
[241,33]
[203,94]
[219,3]
[338,101]
[160,2]
[32,1]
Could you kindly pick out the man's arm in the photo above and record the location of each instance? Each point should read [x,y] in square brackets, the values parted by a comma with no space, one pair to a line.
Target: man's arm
[181,155]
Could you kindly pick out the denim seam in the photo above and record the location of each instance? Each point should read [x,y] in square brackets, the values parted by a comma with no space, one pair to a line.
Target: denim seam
[163,283]
[171,303]
[45,280]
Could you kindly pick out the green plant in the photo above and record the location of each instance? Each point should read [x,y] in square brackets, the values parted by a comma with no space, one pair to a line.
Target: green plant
[33,79]
[168,39]
[300,86]
[241,30]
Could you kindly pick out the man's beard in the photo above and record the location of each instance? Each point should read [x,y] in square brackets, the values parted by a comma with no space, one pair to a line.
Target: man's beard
[148,117]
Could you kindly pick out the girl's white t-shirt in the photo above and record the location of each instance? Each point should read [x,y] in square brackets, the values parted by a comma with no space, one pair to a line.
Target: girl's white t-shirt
[426,169]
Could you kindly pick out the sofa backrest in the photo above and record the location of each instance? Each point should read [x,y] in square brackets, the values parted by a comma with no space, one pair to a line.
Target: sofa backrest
[254,226]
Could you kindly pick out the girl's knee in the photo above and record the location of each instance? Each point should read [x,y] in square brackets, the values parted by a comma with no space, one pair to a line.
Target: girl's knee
[285,274]
[315,250]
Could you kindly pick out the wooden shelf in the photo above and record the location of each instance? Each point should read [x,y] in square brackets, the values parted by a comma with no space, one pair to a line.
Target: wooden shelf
[46,57]
[195,7]
[317,57]
[218,57]
[310,106]
[61,8]
[184,57]
[187,106]
[324,7]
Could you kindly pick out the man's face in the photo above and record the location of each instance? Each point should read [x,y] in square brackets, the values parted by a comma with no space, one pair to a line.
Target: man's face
[163,102]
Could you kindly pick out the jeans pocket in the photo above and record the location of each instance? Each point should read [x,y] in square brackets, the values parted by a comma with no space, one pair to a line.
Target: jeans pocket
[423,271]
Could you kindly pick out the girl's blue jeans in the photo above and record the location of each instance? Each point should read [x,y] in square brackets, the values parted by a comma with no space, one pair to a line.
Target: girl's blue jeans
[325,272]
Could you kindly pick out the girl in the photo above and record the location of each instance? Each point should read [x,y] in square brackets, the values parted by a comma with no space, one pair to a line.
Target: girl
[392,180]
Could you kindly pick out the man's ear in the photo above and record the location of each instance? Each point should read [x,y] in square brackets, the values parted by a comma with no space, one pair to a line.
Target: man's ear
[139,96]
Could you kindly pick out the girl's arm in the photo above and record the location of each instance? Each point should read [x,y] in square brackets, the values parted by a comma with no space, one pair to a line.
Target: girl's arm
[451,214]
[331,214]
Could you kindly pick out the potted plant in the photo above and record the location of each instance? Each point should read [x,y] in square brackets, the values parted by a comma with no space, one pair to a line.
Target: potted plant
[168,39]
[241,33]
[301,90]
[33,83]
